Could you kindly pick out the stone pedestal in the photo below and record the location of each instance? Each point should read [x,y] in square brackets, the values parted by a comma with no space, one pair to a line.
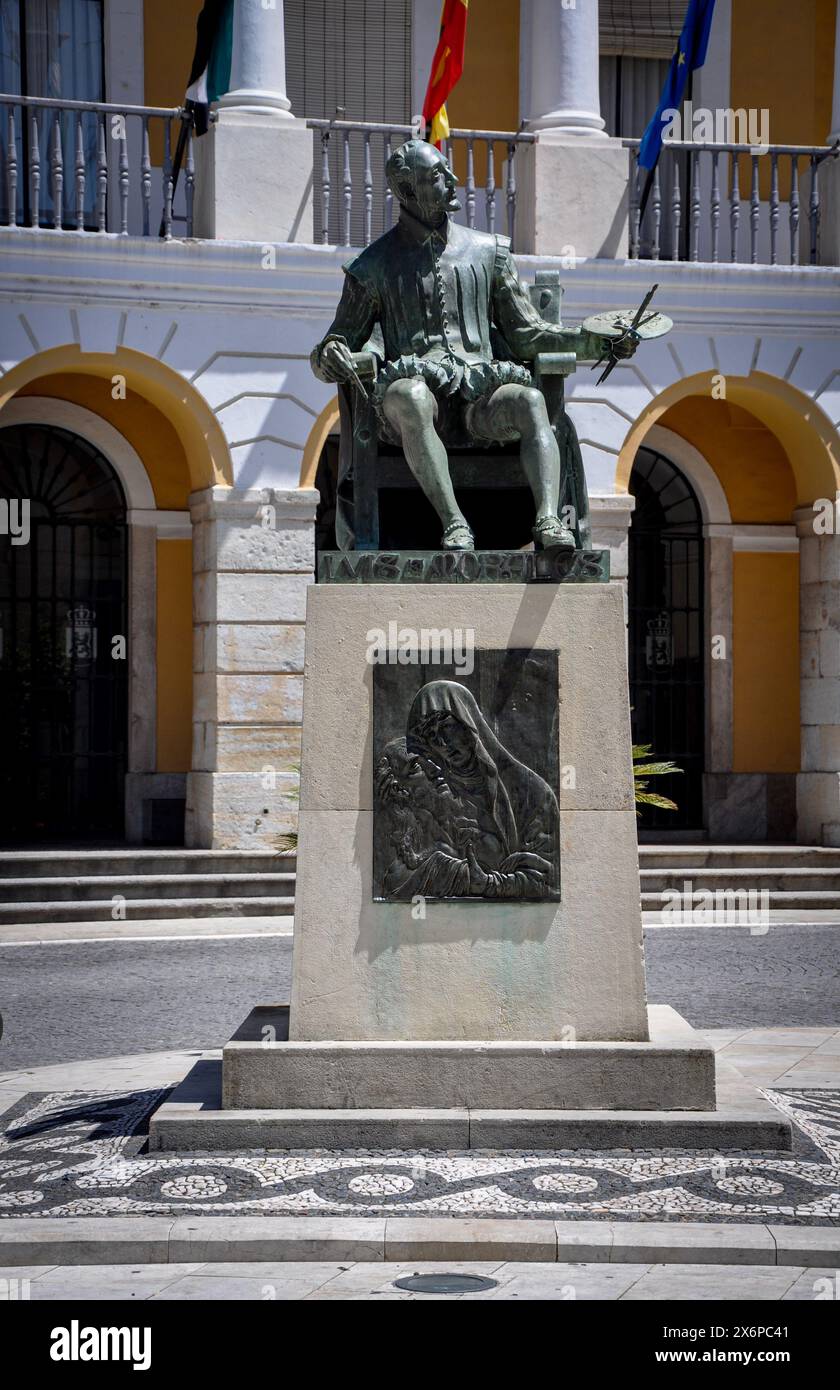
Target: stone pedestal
[494,970]
[254,165]
[468,963]
[254,178]
[572,197]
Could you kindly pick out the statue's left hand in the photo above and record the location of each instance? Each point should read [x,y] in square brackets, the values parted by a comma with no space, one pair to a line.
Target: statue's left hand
[626,345]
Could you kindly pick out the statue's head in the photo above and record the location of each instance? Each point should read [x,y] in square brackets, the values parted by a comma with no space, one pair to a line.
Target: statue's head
[420,178]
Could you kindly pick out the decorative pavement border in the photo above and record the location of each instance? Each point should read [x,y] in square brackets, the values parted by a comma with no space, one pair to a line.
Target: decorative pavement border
[72,1154]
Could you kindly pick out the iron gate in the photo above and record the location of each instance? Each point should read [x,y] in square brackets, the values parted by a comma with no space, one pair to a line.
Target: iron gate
[666,634]
[63,626]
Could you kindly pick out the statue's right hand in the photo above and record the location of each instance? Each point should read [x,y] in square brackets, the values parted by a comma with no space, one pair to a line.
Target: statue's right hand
[336,362]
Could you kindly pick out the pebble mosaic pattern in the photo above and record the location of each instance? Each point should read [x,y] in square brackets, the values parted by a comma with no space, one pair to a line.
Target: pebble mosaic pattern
[77,1153]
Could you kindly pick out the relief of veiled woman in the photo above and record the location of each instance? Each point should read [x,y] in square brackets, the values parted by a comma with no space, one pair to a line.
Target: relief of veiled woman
[513,851]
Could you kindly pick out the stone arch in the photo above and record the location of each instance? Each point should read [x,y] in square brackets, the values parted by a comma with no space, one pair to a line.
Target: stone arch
[806,433]
[205,446]
[122,456]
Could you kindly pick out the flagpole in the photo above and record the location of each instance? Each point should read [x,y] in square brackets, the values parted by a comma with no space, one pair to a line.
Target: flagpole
[186,125]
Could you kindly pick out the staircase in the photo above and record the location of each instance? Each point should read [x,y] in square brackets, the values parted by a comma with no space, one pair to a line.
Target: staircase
[797,878]
[128,884]
[73,885]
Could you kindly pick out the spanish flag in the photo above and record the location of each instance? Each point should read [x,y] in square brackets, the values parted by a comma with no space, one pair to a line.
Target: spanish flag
[447,66]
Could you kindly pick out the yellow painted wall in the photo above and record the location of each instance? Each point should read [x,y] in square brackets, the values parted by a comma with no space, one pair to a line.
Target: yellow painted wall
[168,47]
[765,715]
[144,426]
[747,457]
[754,471]
[174,655]
[783,59]
[169,44]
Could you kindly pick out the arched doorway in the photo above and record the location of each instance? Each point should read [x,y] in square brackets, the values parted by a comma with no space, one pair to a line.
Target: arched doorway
[63,604]
[666,640]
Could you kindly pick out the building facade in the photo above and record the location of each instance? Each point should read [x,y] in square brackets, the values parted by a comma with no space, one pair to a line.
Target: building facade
[160,421]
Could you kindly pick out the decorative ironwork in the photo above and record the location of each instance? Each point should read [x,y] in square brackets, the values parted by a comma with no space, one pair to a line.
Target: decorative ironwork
[63,690]
[666,632]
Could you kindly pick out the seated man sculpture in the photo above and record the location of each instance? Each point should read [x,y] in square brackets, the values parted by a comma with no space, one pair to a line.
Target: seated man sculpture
[457,326]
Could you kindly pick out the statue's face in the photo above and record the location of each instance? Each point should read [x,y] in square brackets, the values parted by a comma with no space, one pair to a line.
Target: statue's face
[434,187]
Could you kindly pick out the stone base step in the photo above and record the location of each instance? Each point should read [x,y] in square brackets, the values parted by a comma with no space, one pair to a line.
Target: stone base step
[21,914]
[130,860]
[171,1130]
[501,1095]
[677,858]
[793,900]
[759,879]
[182,886]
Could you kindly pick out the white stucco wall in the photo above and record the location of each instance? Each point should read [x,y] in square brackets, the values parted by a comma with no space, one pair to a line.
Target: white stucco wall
[240,330]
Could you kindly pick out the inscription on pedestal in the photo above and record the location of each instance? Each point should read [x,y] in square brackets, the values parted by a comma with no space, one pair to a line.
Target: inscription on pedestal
[463,567]
[460,810]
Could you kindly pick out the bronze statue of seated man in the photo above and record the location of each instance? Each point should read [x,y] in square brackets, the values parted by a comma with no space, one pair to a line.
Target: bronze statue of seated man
[457,326]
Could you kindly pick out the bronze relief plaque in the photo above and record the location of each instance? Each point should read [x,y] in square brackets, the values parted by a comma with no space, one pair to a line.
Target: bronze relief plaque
[465,778]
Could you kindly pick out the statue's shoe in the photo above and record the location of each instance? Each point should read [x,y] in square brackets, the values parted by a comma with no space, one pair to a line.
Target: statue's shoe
[457,536]
[551,535]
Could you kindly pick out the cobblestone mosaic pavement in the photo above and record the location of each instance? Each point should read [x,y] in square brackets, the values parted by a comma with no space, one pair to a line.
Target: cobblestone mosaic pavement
[73,1153]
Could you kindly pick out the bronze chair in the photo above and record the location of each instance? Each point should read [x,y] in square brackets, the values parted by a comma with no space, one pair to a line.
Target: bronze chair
[368,465]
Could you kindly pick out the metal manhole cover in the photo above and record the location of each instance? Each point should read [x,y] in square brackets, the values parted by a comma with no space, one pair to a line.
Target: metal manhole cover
[445,1283]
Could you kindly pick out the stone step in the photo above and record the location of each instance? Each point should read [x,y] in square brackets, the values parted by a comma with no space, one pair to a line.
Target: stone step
[75,863]
[179,1127]
[776,880]
[19,914]
[101,887]
[678,858]
[775,901]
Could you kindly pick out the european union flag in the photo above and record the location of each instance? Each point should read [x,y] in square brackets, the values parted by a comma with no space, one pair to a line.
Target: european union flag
[690,54]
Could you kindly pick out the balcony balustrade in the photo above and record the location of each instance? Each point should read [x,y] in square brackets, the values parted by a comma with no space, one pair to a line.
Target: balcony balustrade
[739,226]
[99,167]
[87,166]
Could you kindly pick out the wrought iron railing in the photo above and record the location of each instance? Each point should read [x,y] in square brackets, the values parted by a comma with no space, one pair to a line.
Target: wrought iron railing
[740,225]
[86,166]
[353,203]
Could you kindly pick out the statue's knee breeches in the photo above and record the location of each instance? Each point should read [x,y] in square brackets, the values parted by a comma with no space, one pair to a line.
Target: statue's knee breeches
[409,403]
[529,410]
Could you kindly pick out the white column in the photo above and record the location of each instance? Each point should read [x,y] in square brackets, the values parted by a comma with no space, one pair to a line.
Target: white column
[835,107]
[258,61]
[564,95]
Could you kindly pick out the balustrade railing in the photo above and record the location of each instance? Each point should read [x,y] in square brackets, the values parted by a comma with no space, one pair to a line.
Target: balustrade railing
[696,209]
[353,203]
[86,166]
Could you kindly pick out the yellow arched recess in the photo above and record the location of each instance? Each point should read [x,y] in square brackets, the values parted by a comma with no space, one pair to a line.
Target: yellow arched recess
[773,449]
[202,442]
[181,446]
[807,436]
[144,426]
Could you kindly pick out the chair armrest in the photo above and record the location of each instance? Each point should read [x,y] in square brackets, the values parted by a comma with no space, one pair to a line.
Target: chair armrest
[554,364]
